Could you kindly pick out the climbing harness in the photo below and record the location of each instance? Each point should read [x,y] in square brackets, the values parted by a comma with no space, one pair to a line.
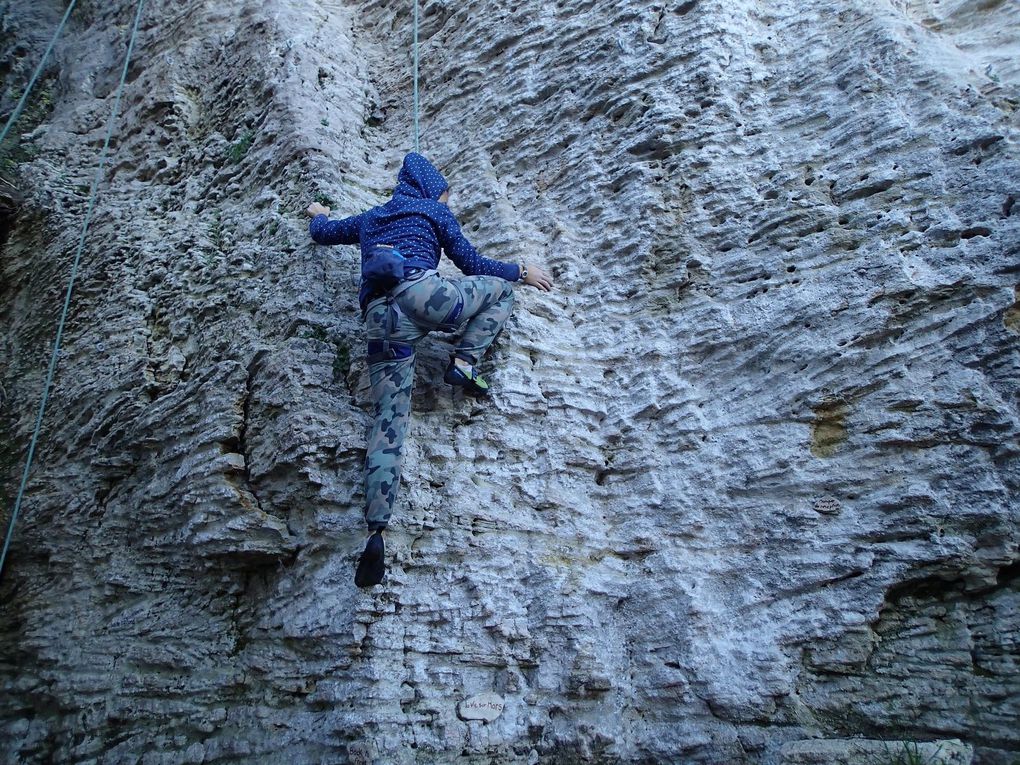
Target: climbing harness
[74,272]
[388,349]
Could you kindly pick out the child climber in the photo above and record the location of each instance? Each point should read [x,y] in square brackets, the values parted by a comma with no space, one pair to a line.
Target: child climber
[402,299]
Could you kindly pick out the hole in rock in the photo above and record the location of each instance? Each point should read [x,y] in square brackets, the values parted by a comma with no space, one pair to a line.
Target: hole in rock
[974,231]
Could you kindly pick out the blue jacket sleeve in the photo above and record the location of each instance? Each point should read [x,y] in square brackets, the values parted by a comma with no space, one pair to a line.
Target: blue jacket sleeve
[326,231]
[466,257]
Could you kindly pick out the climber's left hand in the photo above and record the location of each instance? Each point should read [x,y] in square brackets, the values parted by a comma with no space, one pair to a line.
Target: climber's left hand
[316,209]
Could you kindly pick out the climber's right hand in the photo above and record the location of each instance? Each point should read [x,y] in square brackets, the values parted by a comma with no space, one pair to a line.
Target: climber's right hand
[316,209]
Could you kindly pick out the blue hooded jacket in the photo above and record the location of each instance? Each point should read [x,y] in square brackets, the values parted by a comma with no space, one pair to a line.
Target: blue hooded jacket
[415,223]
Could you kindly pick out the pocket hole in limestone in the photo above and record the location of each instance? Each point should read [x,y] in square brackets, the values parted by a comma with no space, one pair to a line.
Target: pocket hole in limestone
[974,231]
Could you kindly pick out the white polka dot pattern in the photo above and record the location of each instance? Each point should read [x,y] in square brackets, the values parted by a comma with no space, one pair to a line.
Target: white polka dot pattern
[415,223]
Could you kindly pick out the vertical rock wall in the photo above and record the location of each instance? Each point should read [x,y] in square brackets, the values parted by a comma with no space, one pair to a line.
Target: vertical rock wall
[749,475]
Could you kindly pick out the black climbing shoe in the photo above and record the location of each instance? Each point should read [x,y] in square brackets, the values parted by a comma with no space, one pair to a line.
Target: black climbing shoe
[472,382]
[372,566]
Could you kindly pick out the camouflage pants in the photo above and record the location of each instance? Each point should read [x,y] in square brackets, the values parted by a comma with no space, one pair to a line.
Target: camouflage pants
[478,305]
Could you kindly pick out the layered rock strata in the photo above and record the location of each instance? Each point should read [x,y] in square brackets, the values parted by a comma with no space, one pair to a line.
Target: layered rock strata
[748,476]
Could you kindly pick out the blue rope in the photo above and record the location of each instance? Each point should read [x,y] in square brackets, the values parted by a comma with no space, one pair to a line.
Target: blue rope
[70,286]
[416,148]
[31,83]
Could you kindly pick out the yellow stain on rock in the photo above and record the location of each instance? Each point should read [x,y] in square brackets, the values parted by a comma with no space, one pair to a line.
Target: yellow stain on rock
[828,430]
[1011,318]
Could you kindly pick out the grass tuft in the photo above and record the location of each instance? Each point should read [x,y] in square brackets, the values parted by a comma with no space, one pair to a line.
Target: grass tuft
[240,148]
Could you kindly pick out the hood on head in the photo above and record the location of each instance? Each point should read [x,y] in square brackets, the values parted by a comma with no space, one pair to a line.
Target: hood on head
[419,178]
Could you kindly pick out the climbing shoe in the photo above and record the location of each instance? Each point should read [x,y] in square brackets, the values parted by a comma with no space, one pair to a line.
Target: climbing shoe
[468,379]
[371,567]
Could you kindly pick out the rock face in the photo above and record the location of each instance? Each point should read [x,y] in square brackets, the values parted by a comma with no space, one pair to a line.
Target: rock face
[859,751]
[749,475]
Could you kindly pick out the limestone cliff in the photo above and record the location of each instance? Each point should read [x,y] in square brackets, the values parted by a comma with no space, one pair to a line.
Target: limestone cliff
[749,475]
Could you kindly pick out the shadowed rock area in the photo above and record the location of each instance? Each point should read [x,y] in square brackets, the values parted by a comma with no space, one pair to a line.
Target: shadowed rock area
[748,477]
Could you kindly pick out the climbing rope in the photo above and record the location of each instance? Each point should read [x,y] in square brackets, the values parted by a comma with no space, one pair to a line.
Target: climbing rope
[416,75]
[35,76]
[70,284]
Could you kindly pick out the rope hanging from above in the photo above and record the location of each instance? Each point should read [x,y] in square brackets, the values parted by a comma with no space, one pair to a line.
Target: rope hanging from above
[416,132]
[70,285]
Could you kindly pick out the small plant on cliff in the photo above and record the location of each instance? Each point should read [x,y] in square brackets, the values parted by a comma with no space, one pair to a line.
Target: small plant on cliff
[240,147]
[37,109]
[216,230]
[909,753]
[342,357]
[8,461]
[315,332]
[342,360]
